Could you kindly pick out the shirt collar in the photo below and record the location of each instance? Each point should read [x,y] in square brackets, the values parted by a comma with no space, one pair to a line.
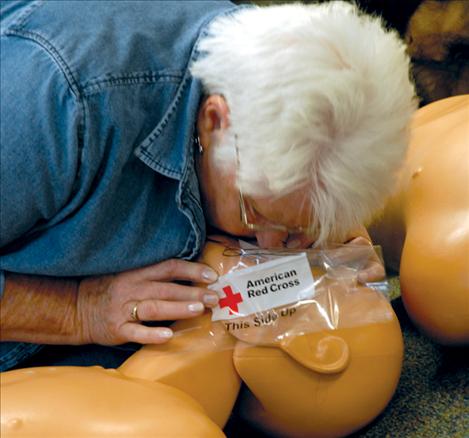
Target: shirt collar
[168,147]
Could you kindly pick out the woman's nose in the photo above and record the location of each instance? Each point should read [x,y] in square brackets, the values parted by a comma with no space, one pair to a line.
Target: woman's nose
[272,239]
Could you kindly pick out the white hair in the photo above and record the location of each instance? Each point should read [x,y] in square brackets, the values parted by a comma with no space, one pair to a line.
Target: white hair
[318,94]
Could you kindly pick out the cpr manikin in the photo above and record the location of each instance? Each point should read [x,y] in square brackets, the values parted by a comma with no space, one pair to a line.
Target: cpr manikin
[425,227]
[326,381]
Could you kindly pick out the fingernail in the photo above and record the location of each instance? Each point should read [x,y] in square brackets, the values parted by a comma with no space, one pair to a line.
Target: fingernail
[166,333]
[209,275]
[210,299]
[195,307]
[295,243]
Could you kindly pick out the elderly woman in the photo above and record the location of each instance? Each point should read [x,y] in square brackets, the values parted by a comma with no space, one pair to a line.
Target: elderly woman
[128,128]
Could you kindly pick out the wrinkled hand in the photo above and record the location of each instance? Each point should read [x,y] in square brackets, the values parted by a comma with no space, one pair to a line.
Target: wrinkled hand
[105,303]
[359,249]
[373,271]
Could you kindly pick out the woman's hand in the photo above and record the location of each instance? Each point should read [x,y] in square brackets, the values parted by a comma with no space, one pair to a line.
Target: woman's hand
[109,305]
[373,271]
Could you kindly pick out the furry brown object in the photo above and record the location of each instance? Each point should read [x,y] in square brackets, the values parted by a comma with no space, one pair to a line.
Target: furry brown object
[438,39]
[437,33]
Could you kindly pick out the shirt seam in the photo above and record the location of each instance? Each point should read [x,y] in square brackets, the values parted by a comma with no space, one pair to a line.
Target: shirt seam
[59,61]
[187,203]
[148,158]
[136,78]
[23,16]
[170,110]
[53,52]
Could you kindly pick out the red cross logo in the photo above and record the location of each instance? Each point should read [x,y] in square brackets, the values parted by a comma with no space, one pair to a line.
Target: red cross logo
[231,300]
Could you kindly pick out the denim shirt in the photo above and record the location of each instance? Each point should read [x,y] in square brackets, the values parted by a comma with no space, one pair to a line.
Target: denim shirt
[98,110]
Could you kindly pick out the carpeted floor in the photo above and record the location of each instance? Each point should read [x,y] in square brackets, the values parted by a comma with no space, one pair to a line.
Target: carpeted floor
[432,398]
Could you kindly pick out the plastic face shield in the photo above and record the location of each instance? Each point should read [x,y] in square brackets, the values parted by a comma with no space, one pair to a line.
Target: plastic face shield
[285,298]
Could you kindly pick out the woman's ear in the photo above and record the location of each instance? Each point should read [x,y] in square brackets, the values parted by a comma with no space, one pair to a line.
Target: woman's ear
[213,120]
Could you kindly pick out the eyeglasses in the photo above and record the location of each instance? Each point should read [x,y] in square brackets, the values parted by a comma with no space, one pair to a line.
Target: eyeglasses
[253,220]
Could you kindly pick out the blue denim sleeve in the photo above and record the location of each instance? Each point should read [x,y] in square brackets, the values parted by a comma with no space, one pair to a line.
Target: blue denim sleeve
[39,138]
[2,283]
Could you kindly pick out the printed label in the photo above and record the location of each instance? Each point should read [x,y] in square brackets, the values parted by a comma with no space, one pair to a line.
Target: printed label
[262,287]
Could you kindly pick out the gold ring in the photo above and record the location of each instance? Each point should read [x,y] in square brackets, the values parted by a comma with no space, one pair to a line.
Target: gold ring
[134,313]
